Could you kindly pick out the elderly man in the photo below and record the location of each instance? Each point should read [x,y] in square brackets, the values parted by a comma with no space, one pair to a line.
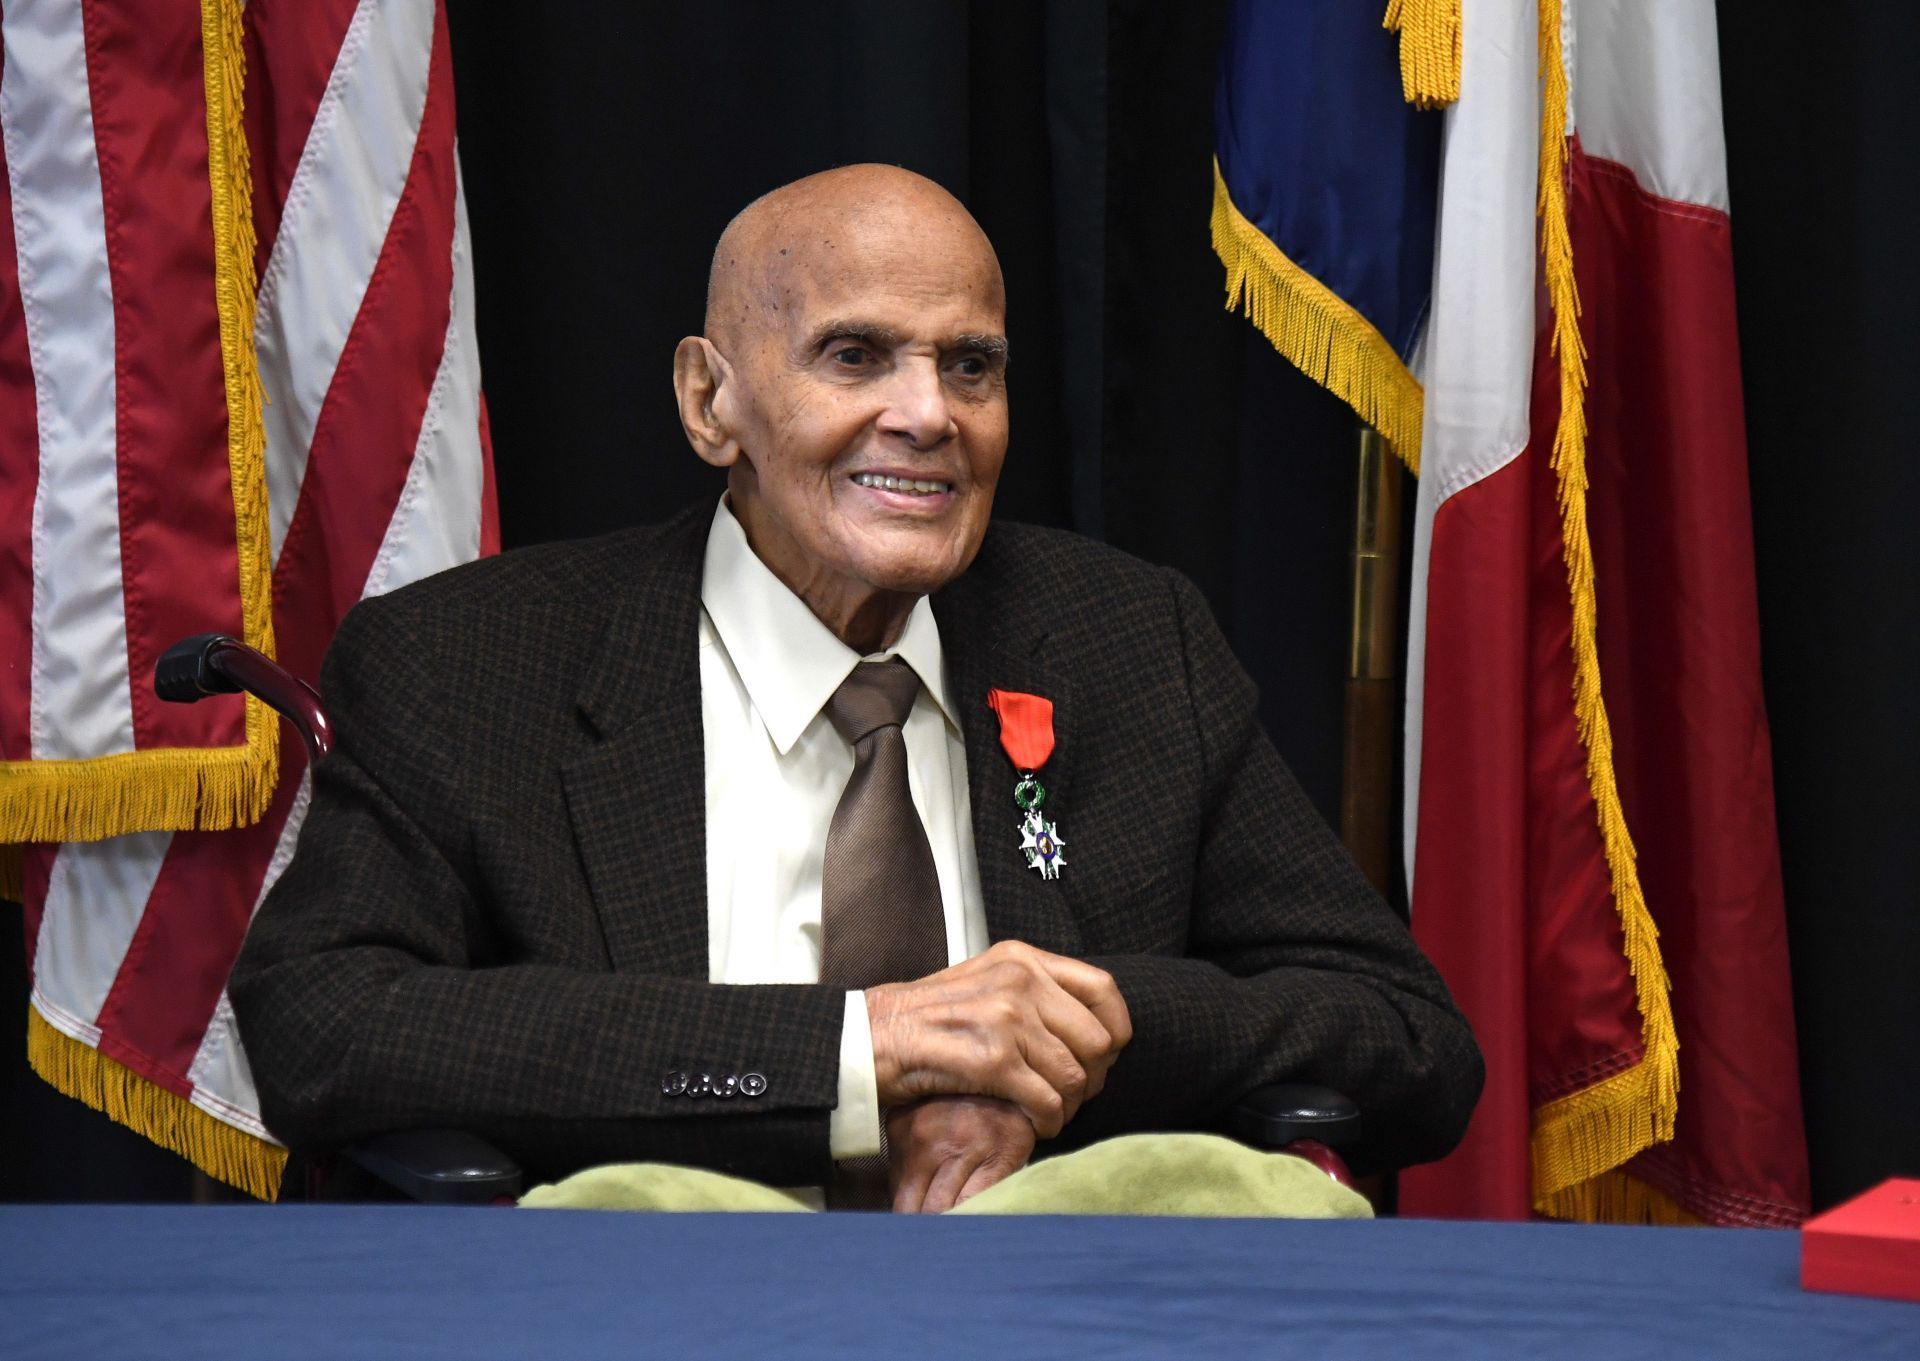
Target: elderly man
[833,810]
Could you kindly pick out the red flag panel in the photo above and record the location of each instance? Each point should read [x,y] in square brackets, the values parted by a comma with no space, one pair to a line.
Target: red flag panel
[1673,536]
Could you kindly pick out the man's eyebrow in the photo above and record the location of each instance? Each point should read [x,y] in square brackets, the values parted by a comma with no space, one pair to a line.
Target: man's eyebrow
[994,347]
[886,338]
[865,332]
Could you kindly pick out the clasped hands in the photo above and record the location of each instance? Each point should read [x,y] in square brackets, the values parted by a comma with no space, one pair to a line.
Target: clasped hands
[976,1062]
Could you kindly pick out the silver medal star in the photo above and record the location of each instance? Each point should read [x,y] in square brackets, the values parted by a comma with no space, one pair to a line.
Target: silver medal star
[1041,841]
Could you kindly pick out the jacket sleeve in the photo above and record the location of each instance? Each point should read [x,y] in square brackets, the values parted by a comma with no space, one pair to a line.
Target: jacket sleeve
[1295,969]
[374,991]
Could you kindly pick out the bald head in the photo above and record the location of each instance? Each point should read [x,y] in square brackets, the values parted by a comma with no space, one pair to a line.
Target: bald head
[818,235]
[852,382]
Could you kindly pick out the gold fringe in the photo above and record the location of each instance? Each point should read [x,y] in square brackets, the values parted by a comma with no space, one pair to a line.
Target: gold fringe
[223,43]
[1583,1134]
[1616,1198]
[1429,49]
[231,1155]
[172,789]
[1317,330]
[1580,1137]
[180,788]
[13,884]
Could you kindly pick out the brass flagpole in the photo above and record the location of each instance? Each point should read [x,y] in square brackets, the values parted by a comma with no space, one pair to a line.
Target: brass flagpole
[1366,780]
[1366,787]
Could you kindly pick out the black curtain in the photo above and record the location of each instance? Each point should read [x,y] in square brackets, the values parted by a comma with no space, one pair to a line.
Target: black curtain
[603,157]
[1821,126]
[604,146]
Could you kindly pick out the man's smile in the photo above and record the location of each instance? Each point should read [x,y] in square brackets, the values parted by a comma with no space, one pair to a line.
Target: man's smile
[893,486]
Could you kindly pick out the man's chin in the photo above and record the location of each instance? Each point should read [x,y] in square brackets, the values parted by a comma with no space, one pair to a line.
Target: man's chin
[918,573]
[918,563]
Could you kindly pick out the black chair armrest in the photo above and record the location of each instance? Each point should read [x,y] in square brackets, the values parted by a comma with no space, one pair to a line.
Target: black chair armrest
[440,1166]
[1274,1116]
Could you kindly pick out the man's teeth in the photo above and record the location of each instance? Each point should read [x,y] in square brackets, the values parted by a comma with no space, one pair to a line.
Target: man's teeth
[912,485]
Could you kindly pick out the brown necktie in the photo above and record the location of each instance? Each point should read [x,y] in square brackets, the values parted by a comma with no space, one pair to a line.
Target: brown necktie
[880,914]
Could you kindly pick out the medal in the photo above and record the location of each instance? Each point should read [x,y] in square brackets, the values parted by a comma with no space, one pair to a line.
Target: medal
[1026,735]
[1039,838]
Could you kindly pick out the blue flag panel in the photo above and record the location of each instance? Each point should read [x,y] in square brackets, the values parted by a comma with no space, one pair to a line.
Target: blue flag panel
[1321,153]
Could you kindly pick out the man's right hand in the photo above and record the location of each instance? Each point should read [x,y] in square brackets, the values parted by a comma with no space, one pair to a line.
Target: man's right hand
[1037,1029]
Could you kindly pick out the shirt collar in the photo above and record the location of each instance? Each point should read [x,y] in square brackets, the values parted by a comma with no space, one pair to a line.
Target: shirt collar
[790,662]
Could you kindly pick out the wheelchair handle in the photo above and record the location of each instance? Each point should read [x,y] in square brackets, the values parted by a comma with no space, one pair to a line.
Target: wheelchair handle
[215,664]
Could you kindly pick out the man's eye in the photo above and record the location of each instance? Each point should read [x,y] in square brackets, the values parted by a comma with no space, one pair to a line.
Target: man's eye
[852,356]
[971,366]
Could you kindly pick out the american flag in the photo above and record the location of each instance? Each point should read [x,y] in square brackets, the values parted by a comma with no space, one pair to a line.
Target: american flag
[160,156]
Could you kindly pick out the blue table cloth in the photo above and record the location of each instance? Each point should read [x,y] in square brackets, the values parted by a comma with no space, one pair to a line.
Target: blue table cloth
[390,1281]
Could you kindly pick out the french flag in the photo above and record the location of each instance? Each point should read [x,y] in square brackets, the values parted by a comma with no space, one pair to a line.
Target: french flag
[1590,827]
[1549,341]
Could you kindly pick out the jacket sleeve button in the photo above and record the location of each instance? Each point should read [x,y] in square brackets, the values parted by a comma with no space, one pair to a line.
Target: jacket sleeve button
[673,1083]
[701,1085]
[724,1087]
[753,1084]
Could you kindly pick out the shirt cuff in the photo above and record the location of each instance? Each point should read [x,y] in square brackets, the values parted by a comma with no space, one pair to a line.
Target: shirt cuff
[854,1131]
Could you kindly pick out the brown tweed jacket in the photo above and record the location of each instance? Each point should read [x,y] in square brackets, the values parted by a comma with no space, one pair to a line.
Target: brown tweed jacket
[497,915]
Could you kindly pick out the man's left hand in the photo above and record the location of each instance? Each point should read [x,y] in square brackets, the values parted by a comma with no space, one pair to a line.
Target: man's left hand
[947,1148]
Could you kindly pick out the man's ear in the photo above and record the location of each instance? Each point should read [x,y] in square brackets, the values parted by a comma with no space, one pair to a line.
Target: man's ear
[704,387]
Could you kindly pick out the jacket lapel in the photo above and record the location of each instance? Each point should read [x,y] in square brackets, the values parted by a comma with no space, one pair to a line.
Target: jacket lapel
[637,797]
[985,652]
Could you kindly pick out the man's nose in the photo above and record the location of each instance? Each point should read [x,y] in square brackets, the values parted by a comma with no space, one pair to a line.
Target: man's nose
[917,407]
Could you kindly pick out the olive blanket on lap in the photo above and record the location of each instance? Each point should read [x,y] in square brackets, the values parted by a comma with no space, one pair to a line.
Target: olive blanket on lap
[1199,1175]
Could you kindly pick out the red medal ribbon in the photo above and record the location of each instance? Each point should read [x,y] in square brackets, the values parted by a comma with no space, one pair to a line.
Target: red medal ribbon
[1026,727]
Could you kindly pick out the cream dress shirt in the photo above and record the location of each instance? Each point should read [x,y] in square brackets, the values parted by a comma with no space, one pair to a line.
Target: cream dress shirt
[775,769]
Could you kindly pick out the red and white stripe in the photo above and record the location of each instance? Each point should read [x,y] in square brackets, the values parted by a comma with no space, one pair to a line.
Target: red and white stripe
[118,347]
[1510,882]
[378,466]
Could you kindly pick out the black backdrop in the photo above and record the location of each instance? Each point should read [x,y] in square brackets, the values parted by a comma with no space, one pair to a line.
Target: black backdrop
[604,148]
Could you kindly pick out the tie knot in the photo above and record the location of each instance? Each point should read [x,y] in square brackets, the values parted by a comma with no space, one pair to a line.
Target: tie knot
[877,695]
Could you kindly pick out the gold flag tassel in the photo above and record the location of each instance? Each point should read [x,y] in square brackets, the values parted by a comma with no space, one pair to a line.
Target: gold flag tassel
[1580,1141]
[1316,329]
[234,1156]
[1429,49]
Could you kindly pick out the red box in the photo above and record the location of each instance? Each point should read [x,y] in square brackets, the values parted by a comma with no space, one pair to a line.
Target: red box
[1868,1246]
